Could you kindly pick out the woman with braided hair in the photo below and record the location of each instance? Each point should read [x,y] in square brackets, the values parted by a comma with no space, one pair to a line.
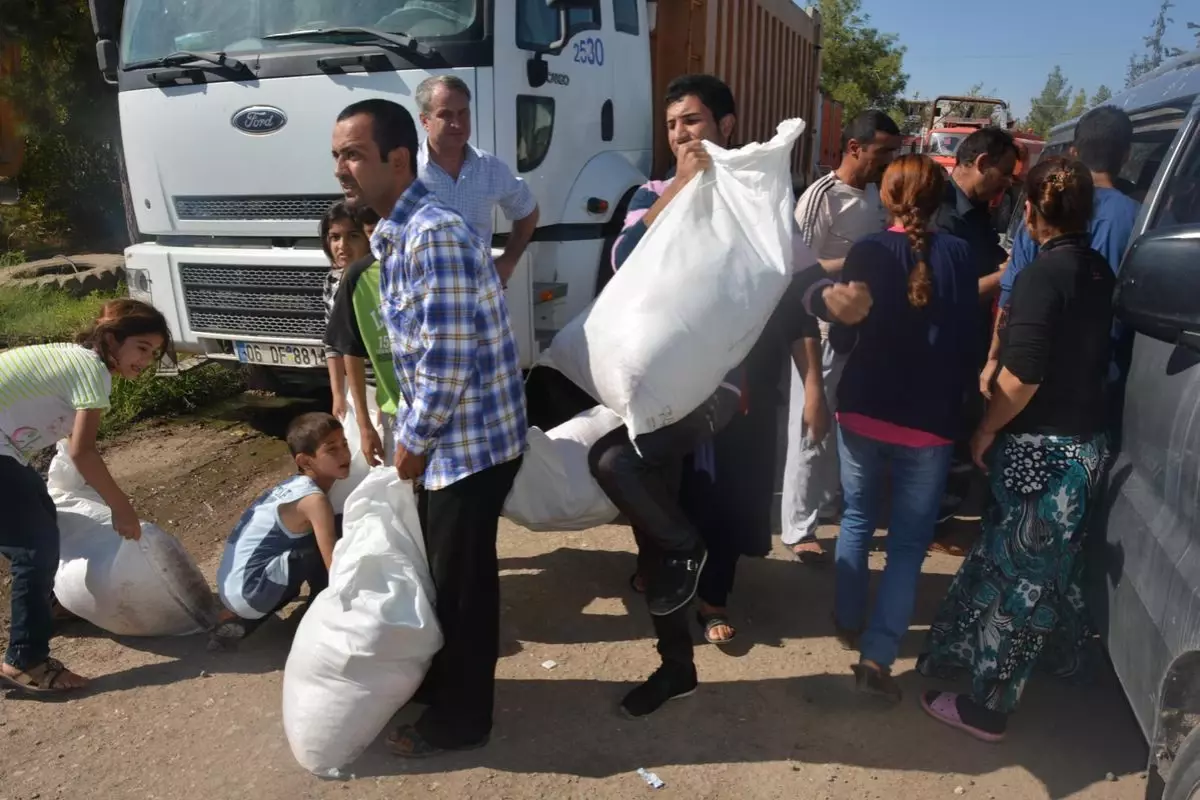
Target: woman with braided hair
[908,366]
[1017,600]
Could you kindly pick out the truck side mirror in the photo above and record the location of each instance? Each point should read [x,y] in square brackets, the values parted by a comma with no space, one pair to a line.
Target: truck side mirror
[106,57]
[1158,287]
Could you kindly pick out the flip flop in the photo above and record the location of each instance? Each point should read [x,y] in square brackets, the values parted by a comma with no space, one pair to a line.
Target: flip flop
[943,706]
[817,557]
[710,622]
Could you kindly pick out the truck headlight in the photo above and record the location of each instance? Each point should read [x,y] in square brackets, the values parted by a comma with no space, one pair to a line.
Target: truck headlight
[138,282]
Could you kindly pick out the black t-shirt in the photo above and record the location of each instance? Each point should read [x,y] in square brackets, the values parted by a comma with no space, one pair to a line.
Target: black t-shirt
[1057,336]
[342,332]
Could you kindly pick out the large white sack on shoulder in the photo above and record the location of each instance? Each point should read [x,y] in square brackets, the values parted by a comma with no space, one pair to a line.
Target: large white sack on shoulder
[150,587]
[693,297]
[364,645]
[555,490]
[359,467]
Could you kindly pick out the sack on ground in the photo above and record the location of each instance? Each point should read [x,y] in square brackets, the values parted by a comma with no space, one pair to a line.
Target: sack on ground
[358,462]
[364,645]
[150,587]
[555,490]
[694,296]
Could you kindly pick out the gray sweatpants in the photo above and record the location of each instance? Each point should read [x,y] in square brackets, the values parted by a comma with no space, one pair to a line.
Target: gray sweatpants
[811,482]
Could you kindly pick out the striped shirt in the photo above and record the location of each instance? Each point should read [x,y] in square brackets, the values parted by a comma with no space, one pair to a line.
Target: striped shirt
[41,388]
[253,577]
[453,349]
[483,183]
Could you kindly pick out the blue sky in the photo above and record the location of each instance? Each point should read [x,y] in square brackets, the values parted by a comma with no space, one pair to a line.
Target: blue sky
[1011,46]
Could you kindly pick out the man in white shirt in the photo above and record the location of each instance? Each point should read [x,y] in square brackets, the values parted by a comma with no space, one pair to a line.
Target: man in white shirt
[833,213]
[469,180]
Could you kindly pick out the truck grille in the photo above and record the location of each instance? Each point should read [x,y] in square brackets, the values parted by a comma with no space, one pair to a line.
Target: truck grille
[255,301]
[262,208]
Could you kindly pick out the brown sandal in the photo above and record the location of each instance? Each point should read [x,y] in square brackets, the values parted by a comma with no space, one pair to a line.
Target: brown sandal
[42,679]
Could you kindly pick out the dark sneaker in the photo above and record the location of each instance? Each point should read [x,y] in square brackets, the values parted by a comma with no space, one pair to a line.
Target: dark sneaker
[674,583]
[669,682]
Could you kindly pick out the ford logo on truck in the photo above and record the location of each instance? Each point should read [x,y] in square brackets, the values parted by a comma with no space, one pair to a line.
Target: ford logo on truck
[259,120]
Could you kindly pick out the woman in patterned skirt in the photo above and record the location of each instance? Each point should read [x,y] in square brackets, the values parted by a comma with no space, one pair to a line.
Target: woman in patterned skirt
[1017,600]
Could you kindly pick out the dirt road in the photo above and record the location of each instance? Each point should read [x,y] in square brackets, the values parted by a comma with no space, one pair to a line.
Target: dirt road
[775,717]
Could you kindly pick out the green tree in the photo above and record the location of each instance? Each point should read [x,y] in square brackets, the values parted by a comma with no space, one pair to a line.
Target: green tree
[70,177]
[1102,96]
[1050,107]
[1078,106]
[860,66]
[1157,49]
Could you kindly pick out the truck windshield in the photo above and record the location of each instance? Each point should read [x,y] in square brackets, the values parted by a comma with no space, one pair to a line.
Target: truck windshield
[155,28]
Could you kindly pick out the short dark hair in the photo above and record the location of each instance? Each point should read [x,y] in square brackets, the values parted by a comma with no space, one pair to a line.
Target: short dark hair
[338,212]
[306,432]
[391,126]
[863,128]
[365,215]
[1103,138]
[993,142]
[713,92]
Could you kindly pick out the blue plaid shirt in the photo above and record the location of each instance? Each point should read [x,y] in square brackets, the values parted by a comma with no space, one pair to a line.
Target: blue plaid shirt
[452,343]
[484,182]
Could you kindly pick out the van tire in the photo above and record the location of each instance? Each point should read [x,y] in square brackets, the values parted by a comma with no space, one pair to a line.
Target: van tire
[1183,783]
[78,276]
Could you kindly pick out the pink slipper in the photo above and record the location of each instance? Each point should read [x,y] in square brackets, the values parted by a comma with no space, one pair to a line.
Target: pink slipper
[944,709]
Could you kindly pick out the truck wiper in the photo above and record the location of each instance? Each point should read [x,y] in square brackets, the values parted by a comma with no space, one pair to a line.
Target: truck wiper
[398,41]
[182,57]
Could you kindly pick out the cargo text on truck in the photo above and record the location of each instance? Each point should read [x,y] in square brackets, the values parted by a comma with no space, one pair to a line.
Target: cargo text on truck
[565,92]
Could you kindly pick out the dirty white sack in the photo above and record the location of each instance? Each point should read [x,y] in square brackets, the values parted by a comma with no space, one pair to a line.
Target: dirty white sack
[364,645]
[693,297]
[555,490]
[150,587]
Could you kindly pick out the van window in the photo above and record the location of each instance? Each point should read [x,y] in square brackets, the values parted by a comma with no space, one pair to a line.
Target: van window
[537,23]
[1179,203]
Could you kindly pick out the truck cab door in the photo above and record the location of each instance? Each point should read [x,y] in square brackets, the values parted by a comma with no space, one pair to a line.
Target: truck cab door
[548,132]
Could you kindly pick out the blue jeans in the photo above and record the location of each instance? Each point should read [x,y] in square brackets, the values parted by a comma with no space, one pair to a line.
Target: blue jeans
[918,480]
[29,541]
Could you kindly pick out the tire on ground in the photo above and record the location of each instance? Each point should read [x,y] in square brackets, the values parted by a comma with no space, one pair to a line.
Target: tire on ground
[76,275]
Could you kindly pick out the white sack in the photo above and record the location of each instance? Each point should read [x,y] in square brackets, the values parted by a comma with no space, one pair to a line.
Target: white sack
[364,645]
[693,297]
[358,462]
[150,587]
[555,490]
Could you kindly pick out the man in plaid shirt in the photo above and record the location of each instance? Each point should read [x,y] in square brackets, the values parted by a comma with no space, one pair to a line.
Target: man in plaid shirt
[462,432]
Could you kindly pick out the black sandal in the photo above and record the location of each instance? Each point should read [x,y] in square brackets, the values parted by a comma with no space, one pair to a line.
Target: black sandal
[633,583]
[709,622]
[405,742]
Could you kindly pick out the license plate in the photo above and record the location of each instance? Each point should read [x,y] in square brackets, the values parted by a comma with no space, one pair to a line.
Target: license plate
[279,355]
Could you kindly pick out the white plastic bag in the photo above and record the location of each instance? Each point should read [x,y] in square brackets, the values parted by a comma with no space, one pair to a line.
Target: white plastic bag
[694,296]
[359,467]
[150,587]
[555,490]
[364,645]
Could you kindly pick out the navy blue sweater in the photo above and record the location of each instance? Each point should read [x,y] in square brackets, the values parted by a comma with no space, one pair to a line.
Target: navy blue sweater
[911,366]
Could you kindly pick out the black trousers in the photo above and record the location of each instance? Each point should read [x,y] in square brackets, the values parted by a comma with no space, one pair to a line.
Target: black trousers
[29,541]
[643,482]
[459,524]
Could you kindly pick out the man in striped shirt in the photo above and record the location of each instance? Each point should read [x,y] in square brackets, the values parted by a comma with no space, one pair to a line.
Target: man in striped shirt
[461,431]
[833,213]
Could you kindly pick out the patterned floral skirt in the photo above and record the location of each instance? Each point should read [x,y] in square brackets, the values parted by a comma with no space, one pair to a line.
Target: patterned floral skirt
[1017,601]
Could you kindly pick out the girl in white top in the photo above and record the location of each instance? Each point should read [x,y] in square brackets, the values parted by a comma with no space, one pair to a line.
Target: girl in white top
[48,392]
